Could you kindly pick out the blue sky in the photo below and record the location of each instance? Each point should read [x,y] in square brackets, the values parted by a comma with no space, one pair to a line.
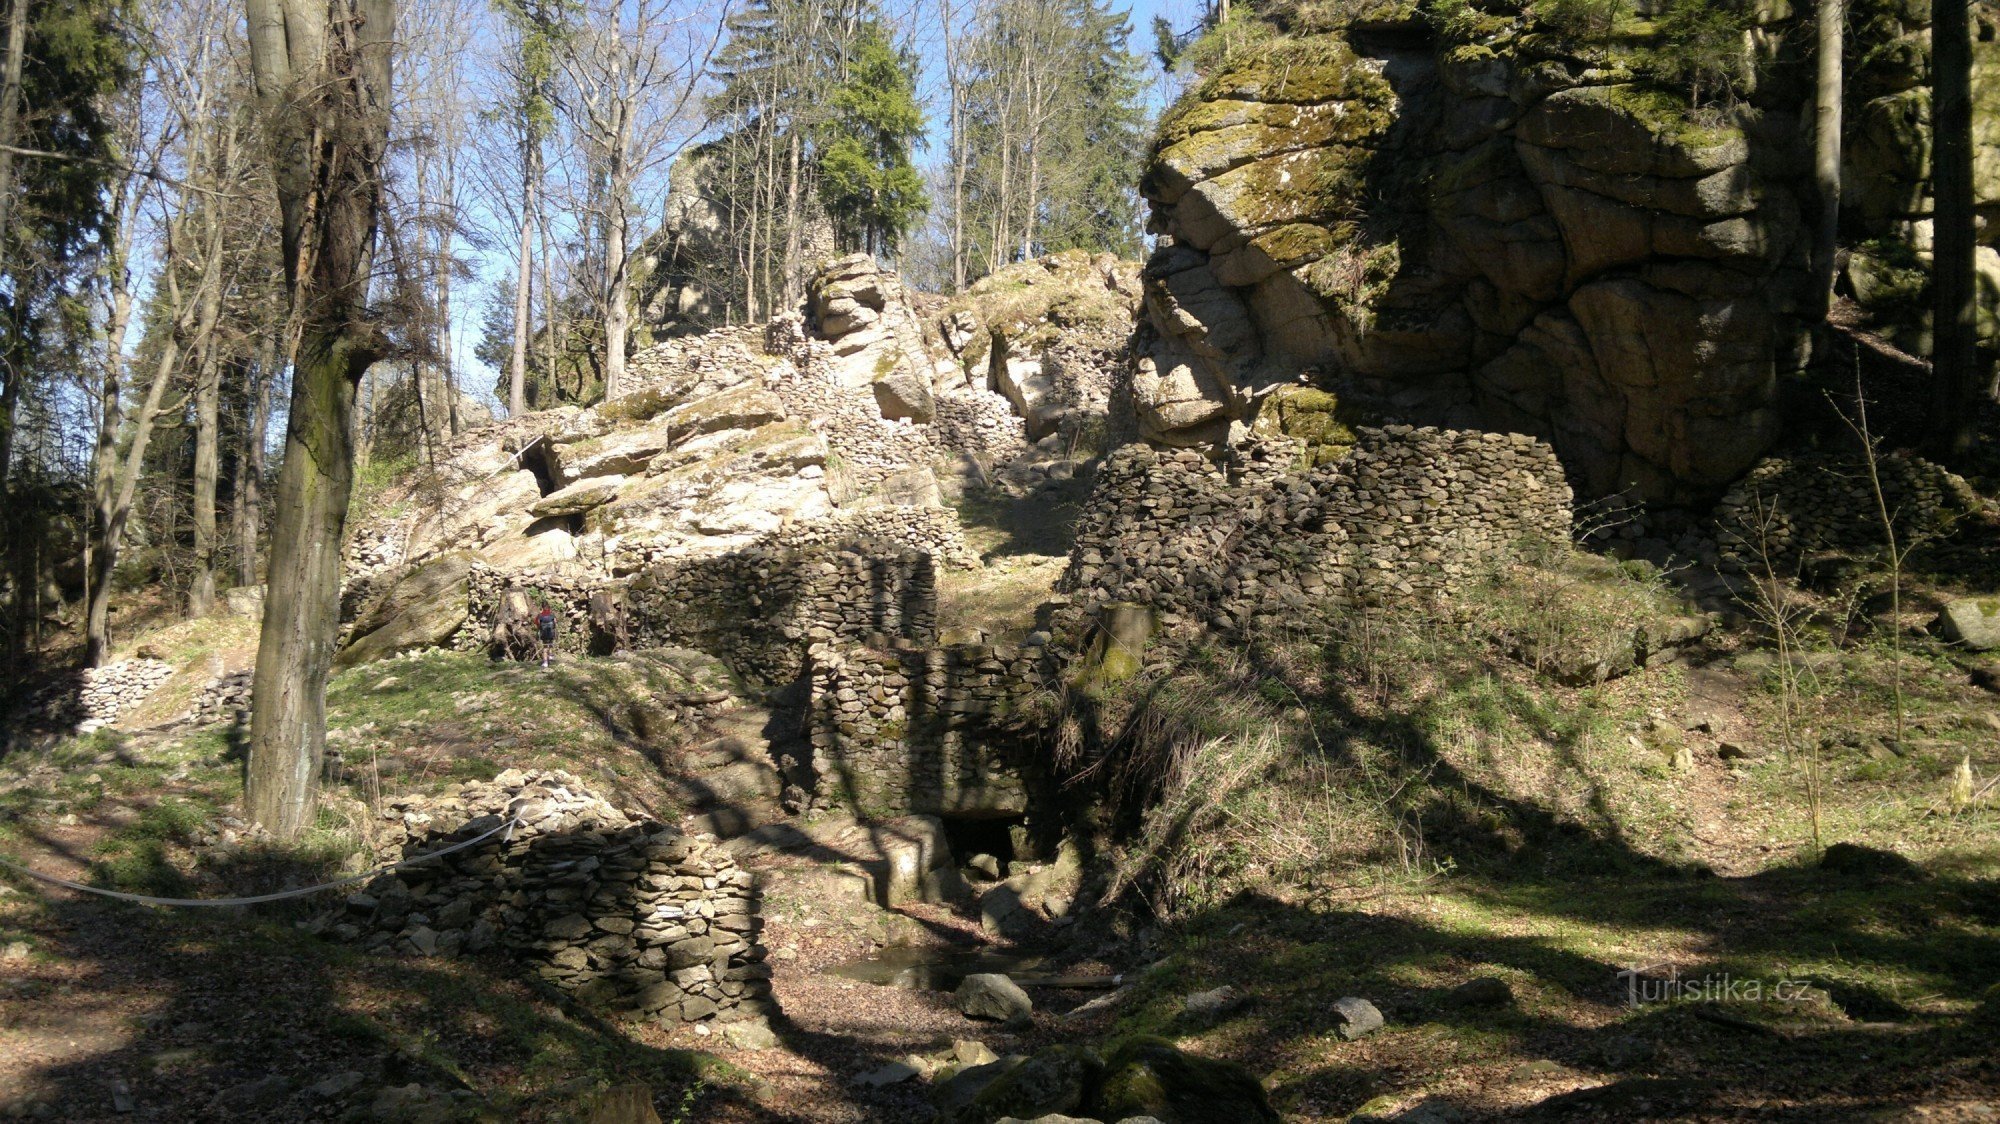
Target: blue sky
[497,262]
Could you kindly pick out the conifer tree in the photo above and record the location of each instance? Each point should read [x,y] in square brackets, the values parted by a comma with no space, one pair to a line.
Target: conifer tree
[872,191]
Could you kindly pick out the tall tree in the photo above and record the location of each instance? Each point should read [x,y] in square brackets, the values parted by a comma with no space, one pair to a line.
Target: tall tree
[323,79]
[872,191]
[1828,92]
[535,29]
[1955,352]
[1053,127]
[630,71]
[195,89]
[56,192]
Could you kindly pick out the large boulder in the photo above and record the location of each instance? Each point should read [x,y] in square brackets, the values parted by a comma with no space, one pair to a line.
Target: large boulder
[1498,235]
[423,608]
[1971,622]
[578,497]
[878,340]
[990,995]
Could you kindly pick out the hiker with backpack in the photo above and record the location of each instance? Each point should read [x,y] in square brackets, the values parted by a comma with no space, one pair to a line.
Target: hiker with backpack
[545,629]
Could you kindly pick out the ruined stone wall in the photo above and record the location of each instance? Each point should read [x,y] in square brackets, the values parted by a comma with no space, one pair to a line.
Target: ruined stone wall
[864,573]
[981,423]
[1793,507]
[1244,542]
[902,730]
[619,911]
[83,701]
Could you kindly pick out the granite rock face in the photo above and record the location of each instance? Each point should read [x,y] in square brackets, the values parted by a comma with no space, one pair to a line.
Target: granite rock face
[1516,233]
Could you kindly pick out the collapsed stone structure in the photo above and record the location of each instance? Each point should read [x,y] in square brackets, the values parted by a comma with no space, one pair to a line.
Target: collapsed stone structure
[618,911]
[705,504]
[1790,508]
[1517,228]
[223,698]
[1242,542]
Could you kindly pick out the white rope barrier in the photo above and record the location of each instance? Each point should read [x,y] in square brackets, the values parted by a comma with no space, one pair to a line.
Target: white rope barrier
[147,899]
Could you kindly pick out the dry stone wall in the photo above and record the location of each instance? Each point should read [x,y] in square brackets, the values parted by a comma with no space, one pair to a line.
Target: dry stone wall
[223,699]
[905,730]
[82,702]
[1792,507]
[857,574]
[1244,542]
[617,910]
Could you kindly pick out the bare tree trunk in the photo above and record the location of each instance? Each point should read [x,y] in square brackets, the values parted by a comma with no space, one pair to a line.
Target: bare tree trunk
[547,248]
[794,199]
[10,130]
[193,327]
[517,360]
[1955,353]
[323,74]
[617,312]
[207,399]
[250,476]
[114,506]
[1826,147]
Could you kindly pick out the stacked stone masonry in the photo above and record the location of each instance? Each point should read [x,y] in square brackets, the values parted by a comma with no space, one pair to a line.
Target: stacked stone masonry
[857,574]
[619,911]
[88,700]
[223,699]
[931,731]
[1787,509]
[1245,542]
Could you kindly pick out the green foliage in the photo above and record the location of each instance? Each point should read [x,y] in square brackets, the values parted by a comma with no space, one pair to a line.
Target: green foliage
[1053,133]
[1701,50]
[1456,21]
[79,56]
[1581,21]
[538,28]
[1220,44]
[871,189]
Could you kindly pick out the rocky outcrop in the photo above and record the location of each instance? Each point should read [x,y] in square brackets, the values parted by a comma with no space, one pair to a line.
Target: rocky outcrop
[878,343]
[1511,231]
[1047,335]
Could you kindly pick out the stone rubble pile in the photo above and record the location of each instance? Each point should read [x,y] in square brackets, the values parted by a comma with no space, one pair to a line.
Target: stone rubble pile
[104,693]
[376,548]
[225,697]
[619,911]
[1246,543]
[1798,506]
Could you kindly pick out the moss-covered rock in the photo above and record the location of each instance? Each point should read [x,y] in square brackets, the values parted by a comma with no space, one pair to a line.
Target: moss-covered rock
[1057,1080]
[1316,418]
[1152,1077]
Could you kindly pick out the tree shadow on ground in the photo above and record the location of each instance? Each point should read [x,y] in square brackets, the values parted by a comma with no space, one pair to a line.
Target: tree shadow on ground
[1553,901]
[219,1014]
